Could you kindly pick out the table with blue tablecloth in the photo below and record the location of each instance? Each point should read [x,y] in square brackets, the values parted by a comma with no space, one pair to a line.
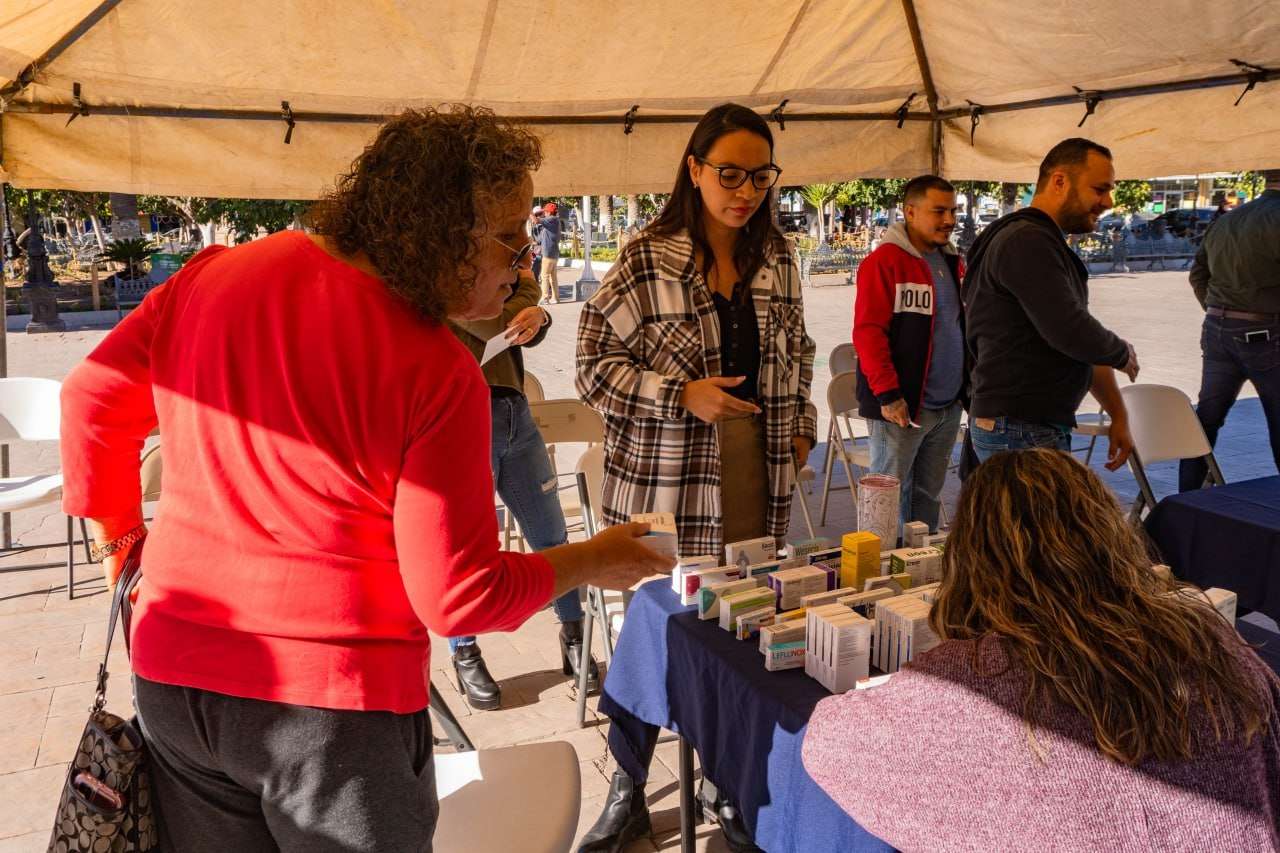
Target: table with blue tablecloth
[1225,536]
[672,670]
[747,724]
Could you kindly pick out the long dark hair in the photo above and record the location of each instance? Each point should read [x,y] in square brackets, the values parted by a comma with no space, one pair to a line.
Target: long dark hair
[683,211]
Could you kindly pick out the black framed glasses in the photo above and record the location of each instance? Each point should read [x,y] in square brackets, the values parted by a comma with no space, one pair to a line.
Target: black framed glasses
[519,254]
[732,177]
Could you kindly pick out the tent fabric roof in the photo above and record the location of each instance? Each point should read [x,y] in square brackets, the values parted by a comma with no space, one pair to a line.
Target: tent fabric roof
[576,67]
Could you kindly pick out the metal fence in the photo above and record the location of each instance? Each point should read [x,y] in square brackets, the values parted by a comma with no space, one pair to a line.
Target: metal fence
[1124,250]
[826,260]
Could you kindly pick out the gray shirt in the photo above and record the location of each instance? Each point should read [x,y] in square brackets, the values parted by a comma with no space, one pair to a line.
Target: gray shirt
[1238,264]
[946,364]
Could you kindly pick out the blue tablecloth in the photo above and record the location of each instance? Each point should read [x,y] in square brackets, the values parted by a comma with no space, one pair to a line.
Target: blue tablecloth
[1227,536]
[747,724]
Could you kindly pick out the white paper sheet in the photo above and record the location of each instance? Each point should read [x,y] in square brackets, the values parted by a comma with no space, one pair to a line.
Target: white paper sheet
[497,344]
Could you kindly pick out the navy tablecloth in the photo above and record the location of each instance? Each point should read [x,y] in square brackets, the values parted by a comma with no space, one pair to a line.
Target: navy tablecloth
[1226,536]
[747,724]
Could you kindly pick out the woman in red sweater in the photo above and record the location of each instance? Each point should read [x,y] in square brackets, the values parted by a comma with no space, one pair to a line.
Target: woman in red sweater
[1078,700]
[327,495]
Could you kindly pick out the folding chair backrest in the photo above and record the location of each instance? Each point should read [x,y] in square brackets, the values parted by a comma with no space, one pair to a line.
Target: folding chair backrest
[1163,424]
[29,409]
[591,467]
[567,421]
[842,394]
[151,470]
[844,359]
[533,388]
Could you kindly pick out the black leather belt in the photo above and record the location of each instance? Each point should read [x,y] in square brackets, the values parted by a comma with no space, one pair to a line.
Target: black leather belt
[1229,314]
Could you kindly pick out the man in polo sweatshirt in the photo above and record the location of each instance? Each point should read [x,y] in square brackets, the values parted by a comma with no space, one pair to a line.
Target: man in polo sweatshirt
[908,329]
[1034,348]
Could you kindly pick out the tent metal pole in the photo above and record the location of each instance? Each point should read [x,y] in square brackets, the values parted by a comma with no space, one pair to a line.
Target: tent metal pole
[8,253]
[152,111]
[930,91]
[28,75]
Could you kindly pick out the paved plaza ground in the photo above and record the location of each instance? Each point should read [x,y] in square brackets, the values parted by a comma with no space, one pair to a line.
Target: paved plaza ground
[50,647]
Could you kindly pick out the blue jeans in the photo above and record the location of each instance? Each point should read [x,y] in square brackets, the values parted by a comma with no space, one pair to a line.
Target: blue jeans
[1015,434]
[526,483]
[1230,359]
[918,458]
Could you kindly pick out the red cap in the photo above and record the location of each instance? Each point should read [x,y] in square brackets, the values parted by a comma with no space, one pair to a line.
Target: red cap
[549,207]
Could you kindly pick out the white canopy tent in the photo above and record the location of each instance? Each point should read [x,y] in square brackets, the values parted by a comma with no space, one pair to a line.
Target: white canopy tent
[175,97]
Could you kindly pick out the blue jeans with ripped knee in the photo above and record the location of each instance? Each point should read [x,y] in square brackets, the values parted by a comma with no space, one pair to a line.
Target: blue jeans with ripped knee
[526,482]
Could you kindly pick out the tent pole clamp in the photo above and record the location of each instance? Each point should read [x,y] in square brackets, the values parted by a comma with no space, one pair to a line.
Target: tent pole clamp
[1255,74]
[629,120]
[776,114]
[1091,100]
[901,112]
[286,113]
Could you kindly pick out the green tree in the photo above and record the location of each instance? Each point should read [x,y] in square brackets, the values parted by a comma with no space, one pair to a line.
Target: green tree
[1247,184]
[972,191]
[246,216]
[819,195]
[1131,196]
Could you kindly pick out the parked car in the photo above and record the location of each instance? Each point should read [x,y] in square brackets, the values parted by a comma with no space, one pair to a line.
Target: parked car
[793,220]
[1183,222]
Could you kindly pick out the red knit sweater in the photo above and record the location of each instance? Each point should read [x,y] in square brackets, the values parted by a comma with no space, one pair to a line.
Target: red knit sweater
[326,493]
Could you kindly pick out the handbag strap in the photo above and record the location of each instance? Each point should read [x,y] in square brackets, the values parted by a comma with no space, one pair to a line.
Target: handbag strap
[121,607]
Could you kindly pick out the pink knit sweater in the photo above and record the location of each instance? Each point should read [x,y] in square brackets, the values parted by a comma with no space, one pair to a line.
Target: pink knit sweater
[938,759]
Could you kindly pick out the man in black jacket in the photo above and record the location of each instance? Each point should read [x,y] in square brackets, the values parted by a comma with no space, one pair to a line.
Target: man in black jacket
[1035,349]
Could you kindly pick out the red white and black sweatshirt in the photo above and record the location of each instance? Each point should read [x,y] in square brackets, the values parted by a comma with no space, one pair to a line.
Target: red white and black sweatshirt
[893,316]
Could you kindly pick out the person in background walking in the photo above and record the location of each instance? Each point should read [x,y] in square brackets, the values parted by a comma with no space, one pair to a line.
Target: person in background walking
[908,328]
[535,219]
[1236,278]
[1034,348]
[524,478]
[548,237]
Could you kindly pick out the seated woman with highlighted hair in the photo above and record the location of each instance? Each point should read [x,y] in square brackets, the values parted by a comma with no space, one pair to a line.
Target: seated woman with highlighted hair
[1077,700]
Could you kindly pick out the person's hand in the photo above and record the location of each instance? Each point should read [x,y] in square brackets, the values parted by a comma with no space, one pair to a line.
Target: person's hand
[622,560]
[708,403]
[525,325]
[1120,442]
[801,445]
[1131,367]
[897,413]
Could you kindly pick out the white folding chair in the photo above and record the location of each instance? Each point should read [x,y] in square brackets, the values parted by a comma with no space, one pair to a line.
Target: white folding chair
[533,388]
[30,410]
[535,788]
[567,422]
[843,359]
[1101,428]
[1164,427]
[842,405]
[152,471]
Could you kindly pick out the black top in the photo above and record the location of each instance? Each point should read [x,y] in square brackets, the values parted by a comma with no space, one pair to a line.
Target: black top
[739,340]
[1031,339]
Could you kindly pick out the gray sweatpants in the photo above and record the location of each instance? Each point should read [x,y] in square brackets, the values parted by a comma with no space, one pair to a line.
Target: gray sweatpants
[247,775]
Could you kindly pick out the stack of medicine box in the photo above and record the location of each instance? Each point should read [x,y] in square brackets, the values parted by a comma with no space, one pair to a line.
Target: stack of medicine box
[902,631]
[782,645]
[690,564]
[792,585]
[923,564]
[837,647]
[859,558]
[741,603]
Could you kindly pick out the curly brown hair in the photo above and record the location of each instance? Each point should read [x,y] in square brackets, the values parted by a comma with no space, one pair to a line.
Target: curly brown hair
[1042,556]
[413,198]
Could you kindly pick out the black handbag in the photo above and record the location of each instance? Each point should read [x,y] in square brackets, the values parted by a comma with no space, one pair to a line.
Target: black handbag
[106,804]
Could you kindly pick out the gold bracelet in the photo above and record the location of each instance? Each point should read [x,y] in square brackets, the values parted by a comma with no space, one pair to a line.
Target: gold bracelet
[99,552]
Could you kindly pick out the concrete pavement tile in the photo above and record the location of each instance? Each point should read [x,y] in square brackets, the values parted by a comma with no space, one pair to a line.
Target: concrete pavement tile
[60,738]
[30,798]
[57,652]
[35,676]
[35,842]
[19,746]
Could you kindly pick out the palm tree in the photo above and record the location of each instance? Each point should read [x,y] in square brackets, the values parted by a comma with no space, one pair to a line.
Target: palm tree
[818,195]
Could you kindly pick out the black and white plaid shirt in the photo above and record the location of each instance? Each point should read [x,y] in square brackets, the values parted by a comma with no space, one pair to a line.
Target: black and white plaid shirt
[649,329]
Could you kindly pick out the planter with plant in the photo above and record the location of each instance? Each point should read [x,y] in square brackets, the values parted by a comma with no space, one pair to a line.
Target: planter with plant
[132,254]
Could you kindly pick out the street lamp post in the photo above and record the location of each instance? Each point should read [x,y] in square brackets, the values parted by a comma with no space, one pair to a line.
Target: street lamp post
[39,281]
[588,276]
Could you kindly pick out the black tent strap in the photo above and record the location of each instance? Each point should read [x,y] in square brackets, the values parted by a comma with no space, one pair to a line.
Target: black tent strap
[902,114]
[776,114]
[629,120]
[77,103]
[286,113]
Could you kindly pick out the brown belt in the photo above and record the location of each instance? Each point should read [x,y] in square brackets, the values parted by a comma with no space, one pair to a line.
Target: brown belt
[1229,314]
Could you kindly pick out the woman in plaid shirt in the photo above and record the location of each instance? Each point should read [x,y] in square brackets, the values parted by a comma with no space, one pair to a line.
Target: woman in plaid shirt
[695,352]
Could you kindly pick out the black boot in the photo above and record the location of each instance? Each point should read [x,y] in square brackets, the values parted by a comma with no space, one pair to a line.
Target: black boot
[624,819]
[736,835]
[474,680]
[571,655]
